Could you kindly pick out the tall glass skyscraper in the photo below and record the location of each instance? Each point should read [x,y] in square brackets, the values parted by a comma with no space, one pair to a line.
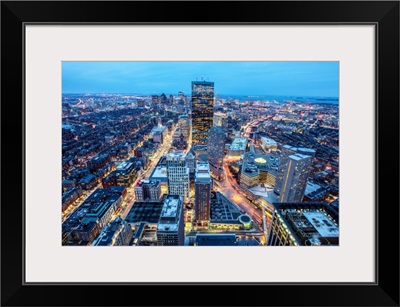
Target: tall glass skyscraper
[215,150]
[202,110]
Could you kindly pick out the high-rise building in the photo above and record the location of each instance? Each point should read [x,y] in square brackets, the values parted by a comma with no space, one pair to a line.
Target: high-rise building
[202,110]
[215,151]
[303,224]
[178,175]
[191,163]
[202,194]
[181,98]
[163,98]
[220,119]
[295,178]
[184,126]
[148,190]
[154,100]
[284,161]
[170,228]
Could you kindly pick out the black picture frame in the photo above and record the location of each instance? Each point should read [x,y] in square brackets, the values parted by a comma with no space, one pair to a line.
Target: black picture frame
[383,14]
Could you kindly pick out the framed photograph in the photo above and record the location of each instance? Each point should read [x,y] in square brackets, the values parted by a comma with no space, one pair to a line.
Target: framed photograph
[165,147]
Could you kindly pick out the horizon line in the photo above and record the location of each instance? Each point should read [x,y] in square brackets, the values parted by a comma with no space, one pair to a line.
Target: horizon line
[167,93]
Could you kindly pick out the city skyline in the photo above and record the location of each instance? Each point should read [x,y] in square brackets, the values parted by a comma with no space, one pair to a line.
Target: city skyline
[314,79]
[199,169]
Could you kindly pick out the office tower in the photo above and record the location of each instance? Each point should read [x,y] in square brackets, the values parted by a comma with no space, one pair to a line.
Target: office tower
[178,175]
[303,224]
[284,161]
[171,99]
[184,126]
[170,228]
[148,190]
[181,98]
[215,151]
[202,194]
[202,110]
[163,98]
[191,163]
[219,119]
[154,100]
[295,178]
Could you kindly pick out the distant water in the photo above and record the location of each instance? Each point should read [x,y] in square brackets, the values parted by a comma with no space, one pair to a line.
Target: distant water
[241,98]
[283,99]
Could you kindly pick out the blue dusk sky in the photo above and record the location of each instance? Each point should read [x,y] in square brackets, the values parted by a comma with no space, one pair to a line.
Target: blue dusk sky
[240,78]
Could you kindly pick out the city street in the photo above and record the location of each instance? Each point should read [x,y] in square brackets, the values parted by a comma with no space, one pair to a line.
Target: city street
[227,188]
[130,199]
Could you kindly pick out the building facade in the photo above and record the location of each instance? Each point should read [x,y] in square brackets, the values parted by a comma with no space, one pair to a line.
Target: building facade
[202,110]
[170,228]
[178,175]
[148,190]
[303,224]
[184,126]
[117,233]
[202,188]
[284,162]
[216,151]
[237,148]
[295,178]
[191,163]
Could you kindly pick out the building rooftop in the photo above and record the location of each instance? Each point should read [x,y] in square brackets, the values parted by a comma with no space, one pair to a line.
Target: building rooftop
[310,223]
[160,172]
[216,239]
[170,214]
[203,170]
[176,156]
[222,209]
[124,166]
[238,144]
[268,141]
[170,207]
[311,187]
[151,183]
[87,179]
[298,157]
[145,212]
[322,223]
